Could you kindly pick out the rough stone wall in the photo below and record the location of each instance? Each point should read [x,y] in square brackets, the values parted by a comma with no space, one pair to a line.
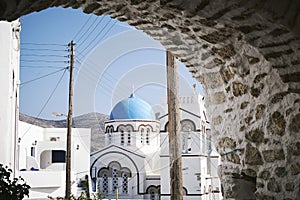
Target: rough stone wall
[246,55]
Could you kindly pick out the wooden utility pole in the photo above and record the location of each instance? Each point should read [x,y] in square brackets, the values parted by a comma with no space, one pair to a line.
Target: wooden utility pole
[174,129]
[69,123]
[117,194]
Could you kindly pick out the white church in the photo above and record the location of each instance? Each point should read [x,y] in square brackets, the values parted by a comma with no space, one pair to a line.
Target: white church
[135,160]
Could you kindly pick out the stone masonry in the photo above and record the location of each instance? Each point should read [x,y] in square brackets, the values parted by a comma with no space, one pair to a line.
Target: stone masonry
[246,55]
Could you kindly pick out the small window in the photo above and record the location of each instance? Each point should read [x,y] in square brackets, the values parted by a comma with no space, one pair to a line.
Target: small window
[129,138]
[32,152]
[58,156]
[122,137]
[147,136]
[142,135]
[109,138]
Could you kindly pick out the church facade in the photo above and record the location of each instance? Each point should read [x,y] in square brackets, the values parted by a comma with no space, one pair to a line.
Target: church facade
[135,161]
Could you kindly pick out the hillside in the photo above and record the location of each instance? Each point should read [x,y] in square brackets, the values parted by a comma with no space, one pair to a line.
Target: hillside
[95,121]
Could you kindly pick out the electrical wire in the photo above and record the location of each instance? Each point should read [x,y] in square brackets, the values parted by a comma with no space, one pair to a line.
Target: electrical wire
[79,44]
[41,44]
[26,82]
[40,67]
[44,55]
[43,49]
[47,101]
[112,79]
[48,61]
[87,30]
[86,22]
[94,39]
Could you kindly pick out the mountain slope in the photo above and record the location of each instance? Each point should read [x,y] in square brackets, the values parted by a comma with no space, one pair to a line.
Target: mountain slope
[94,120]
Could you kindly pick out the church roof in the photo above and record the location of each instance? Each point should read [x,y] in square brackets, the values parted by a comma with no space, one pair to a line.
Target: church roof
[132,108]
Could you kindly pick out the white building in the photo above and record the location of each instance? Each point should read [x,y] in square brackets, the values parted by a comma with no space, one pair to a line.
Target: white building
[9,90]
[42,154]
[136,157]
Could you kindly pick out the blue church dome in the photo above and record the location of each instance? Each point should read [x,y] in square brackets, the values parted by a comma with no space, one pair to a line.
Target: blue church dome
[132,108]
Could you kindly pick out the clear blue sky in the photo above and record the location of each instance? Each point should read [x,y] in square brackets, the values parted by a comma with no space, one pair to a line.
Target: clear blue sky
[112,58]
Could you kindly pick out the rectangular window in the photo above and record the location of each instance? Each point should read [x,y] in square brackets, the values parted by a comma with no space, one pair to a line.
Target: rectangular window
[58,156]
[32,152]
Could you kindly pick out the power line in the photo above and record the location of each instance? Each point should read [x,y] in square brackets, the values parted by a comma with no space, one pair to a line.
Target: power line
[47,101]
[43,49]
[87,30]
[40,67]
[79,44]
[110,87]
[44,55]
[93,40]
[82,27]
[44,61]
[41,44]
[43,76]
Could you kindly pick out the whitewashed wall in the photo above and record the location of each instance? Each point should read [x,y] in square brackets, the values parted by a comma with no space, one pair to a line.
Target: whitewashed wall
[9,79]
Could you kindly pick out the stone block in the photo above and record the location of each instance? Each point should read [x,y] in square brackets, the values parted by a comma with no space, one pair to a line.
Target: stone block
[259,77]
[238,89]
[249,172]
[273,185]
[217,120]
[260,109]
[253,156]
[294,126]
[295,169]
[217,98]
[255,91]
[212,80]
[256,136]
[227,142]
[244,104]
[280,171]
[294,149]
[277,123]
[273,155]
[226,74]
[234,158]
[289,187]
[265,174]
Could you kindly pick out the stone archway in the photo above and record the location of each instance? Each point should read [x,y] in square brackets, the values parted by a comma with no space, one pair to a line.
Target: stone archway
[246,55]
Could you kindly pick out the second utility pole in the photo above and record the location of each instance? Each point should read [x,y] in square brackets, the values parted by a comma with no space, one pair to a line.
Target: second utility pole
[69,123]
[174,129]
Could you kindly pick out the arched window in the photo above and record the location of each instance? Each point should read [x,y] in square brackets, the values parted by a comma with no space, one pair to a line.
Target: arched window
[153,192]
[109,138]
[125,183]
[142,136]
[109,177]
[147,136]
[104,186]
[152,195]
[129,137]
[114,179]
[99,185]
[122,137]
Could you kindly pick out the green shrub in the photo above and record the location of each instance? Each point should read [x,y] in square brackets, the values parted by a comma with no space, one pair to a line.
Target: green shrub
[12,188]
